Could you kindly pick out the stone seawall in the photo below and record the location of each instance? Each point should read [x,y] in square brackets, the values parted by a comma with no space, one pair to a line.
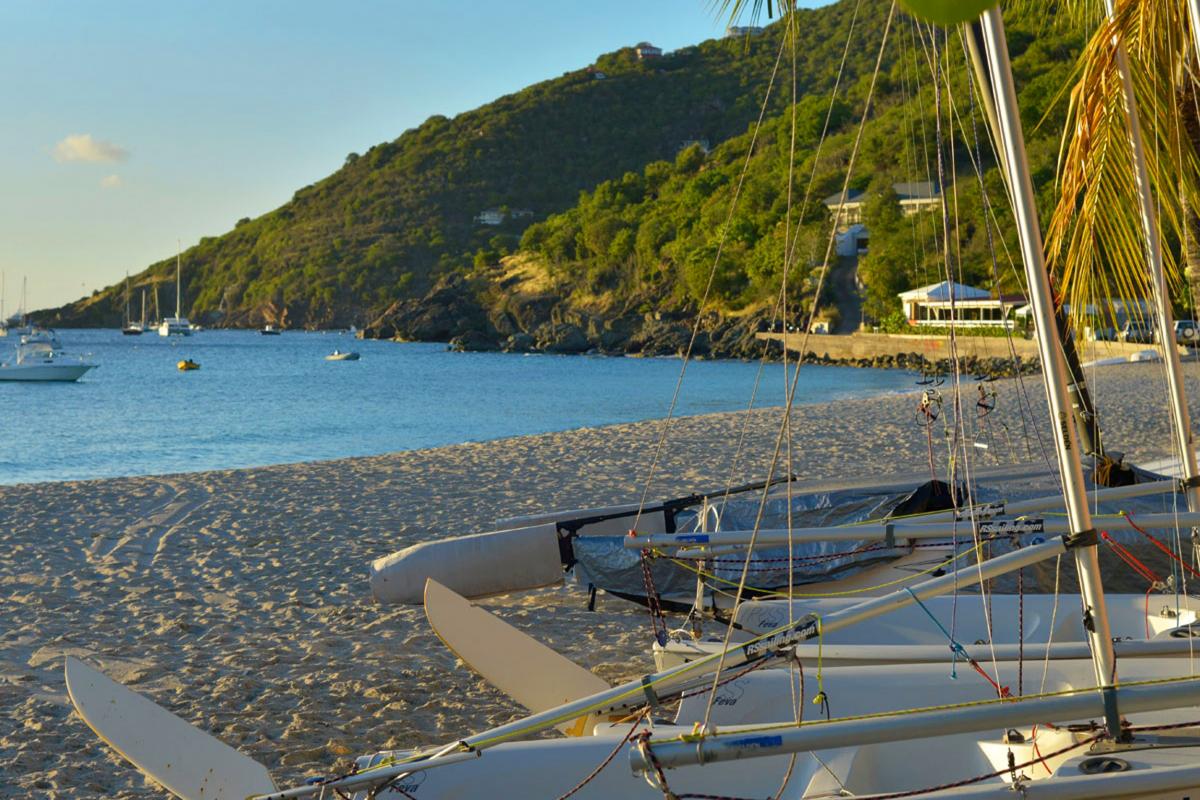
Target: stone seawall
[857,347]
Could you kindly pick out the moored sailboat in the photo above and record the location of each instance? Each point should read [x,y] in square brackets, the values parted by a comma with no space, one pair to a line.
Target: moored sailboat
[131,327]
[177,325]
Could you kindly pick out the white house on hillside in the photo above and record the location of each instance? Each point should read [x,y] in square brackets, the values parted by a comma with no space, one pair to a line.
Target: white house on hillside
[956,304]
[914,196]
[852,241]
[496,216]
[490,216]
[646,50]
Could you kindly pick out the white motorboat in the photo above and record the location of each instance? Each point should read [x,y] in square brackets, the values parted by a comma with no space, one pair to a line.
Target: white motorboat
[39,359]
[177,325]
[269,330]
[338,355]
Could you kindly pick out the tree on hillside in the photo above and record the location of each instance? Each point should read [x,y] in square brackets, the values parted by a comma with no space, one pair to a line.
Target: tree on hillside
[886,268]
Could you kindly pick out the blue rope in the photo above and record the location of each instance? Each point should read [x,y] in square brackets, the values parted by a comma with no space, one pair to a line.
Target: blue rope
[956,649]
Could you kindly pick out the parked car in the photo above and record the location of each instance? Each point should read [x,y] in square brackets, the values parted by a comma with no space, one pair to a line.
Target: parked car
[1186,331]
[1139,332]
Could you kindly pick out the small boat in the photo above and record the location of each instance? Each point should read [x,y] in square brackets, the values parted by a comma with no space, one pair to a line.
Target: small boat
[38,358]
[270,330]
[338,355]
[133,328]
[187,365]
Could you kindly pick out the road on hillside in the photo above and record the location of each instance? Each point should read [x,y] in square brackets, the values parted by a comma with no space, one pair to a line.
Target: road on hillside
[846,295]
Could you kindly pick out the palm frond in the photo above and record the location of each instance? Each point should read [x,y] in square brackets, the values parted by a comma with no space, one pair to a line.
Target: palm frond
[1095,245]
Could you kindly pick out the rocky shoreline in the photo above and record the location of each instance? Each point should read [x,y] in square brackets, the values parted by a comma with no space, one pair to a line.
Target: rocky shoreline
[455,311]
[968,365]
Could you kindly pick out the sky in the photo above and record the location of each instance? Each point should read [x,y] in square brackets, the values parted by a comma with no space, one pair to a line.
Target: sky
[131,125]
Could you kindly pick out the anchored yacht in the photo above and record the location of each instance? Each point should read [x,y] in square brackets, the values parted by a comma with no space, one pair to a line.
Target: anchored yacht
[39,357]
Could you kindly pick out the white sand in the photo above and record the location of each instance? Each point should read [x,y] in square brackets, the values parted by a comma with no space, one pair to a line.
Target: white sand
[238,599]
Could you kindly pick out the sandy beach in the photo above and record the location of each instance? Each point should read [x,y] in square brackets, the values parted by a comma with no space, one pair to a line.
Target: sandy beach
[238,599]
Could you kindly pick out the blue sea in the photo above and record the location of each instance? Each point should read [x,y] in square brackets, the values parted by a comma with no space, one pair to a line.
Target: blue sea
[260,400]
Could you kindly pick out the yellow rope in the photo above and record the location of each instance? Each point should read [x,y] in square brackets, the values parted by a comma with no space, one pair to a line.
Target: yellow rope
[820,659]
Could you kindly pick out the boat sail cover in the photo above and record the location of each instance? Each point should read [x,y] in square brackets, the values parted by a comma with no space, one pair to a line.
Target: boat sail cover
[602,561]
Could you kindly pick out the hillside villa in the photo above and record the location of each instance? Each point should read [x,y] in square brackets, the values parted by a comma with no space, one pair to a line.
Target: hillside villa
[645,51]
[846,210]
[948,304]
[496,216]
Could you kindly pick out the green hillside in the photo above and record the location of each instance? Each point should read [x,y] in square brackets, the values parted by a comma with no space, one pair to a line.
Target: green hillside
[650,239]
[624,269]
[399,220]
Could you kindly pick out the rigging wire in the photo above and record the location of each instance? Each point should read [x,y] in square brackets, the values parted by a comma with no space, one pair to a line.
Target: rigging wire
[789,258]
[666,427]
[807,329]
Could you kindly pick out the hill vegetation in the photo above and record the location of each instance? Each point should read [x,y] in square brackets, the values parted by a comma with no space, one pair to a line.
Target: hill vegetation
[655,235]
[628,170]
[396,220]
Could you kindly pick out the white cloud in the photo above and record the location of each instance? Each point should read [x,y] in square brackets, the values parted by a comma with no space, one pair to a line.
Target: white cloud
[82,147]
[110,181]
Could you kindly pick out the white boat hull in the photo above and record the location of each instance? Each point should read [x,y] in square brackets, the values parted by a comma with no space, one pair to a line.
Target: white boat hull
[45,372]
[549,768]
[175,326]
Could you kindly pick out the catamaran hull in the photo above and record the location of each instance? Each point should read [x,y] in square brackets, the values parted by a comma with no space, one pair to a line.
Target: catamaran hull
[191,762]
[550,768]
[46,372]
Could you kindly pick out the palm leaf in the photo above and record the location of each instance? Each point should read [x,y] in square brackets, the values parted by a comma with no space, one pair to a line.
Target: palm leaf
[1095,246]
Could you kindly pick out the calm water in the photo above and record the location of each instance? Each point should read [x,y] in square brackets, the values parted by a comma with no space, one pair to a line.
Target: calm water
[273,399]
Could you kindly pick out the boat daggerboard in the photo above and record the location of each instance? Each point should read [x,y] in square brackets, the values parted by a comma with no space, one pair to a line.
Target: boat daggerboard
[515,663]
[182,758]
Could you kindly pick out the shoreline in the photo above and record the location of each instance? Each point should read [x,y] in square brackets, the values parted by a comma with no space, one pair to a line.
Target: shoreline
[239,598]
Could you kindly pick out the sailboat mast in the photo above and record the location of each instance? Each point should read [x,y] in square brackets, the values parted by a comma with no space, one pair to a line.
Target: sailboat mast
[178,259]
[127,299]
[1083,536]
[1081,399]
[143,308]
